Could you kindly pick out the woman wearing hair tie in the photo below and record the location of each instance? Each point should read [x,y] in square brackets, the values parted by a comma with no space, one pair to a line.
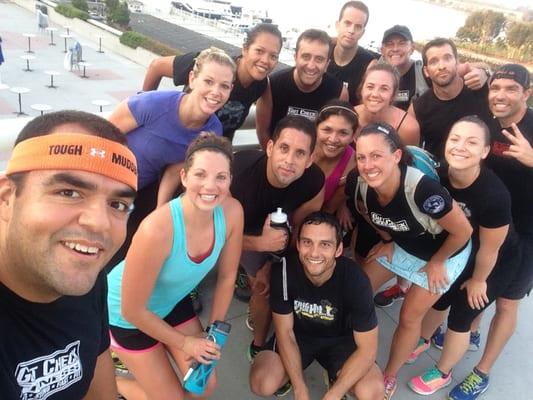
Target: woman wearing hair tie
[336,125]
[425,235]
[150,312]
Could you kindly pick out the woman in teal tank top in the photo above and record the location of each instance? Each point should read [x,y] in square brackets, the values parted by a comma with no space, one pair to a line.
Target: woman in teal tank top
[150,312]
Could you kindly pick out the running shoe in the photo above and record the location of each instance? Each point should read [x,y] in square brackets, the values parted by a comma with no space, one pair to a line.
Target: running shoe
[249,320]
[196,298]
[390,383]
[470,388]
[252,351]
[120,368]
[429,382]
[420,348]
[438,339]
[329,382]
[283,390]
[242,286]
[388,296]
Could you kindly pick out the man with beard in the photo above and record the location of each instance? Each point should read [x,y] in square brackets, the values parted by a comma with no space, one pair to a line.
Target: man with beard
[397,47]
[64,203]
[449,98]
[301,90]
[348,60]
[284,176]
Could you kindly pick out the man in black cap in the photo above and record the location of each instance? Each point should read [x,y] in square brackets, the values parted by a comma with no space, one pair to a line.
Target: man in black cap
[511,158]
[397,48]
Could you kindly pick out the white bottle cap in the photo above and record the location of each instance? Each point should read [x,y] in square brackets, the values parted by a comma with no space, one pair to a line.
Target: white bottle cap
[278,217]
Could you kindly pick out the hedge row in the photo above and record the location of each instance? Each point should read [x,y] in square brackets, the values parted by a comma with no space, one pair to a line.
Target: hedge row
[71,12]
[135,39]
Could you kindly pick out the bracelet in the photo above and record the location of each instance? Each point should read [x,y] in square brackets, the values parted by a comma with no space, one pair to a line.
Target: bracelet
[386,241]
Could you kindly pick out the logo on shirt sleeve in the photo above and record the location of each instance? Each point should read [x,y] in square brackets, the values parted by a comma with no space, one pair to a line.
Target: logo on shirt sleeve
[44,376]
[434,204]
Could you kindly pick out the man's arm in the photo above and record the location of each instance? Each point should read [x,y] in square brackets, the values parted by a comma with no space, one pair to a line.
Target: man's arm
[357,365]
[103,385]
[290,353]
[315,204]
[159,67]
[263,116]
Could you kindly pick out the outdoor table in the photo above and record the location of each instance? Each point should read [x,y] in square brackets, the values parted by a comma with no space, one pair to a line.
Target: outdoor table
[41,107]
[29,36]
[20,91]
[27,57]
[51,29]
[52,74]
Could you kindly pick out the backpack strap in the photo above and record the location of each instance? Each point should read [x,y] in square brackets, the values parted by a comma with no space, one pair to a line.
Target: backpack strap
[412,179]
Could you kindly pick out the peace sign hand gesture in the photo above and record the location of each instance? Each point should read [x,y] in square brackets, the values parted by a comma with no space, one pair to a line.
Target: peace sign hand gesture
[520,148]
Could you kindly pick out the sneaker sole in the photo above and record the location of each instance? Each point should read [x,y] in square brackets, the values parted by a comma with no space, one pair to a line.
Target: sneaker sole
[418,391]
[248,325]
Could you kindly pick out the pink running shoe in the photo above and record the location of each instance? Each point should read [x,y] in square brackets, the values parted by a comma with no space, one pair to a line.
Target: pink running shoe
[429,382]
[391,383]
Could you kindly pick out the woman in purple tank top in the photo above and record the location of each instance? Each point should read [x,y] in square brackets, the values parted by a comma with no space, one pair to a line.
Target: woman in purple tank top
[336,125]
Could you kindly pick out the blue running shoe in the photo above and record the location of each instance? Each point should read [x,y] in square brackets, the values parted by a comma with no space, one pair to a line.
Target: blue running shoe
[470,388]
[438,339]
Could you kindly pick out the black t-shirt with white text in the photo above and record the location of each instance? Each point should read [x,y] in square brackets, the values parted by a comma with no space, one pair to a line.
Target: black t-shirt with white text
[288,99]
[397,219]
[338,307]
[49,350]
[516,176]
[259,198]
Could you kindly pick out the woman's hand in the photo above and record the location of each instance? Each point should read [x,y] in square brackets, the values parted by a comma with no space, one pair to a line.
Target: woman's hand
[201,349]
[345,217]
[437,276]
[379,250]
[476,293]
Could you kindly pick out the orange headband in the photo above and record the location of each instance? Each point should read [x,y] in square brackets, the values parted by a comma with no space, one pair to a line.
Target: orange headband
[75,151]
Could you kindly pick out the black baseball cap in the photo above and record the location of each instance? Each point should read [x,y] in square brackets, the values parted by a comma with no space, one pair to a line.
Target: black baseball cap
[400,30]
[516,72]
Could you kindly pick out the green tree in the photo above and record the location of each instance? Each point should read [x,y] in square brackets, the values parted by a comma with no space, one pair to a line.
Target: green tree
[118,12]
[520,38]
[482,26]
[81,5]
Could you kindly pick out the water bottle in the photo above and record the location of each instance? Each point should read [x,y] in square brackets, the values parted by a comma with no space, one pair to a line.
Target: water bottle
[278,220]
[196,378]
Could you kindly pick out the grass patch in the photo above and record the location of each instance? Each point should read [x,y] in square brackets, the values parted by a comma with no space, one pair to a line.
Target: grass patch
[135,39]
[69,11]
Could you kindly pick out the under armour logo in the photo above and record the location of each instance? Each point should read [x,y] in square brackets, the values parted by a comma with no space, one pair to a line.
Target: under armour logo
[97,153]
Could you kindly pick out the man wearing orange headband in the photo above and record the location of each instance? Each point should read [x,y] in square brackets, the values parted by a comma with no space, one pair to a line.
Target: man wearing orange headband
[64,204]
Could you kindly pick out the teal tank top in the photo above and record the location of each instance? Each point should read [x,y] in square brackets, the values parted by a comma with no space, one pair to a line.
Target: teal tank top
[179,274]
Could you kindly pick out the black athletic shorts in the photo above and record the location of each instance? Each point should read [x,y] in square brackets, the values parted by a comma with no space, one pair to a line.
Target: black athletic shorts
[461,314]
[523,279]
[136,340]
[331,353]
